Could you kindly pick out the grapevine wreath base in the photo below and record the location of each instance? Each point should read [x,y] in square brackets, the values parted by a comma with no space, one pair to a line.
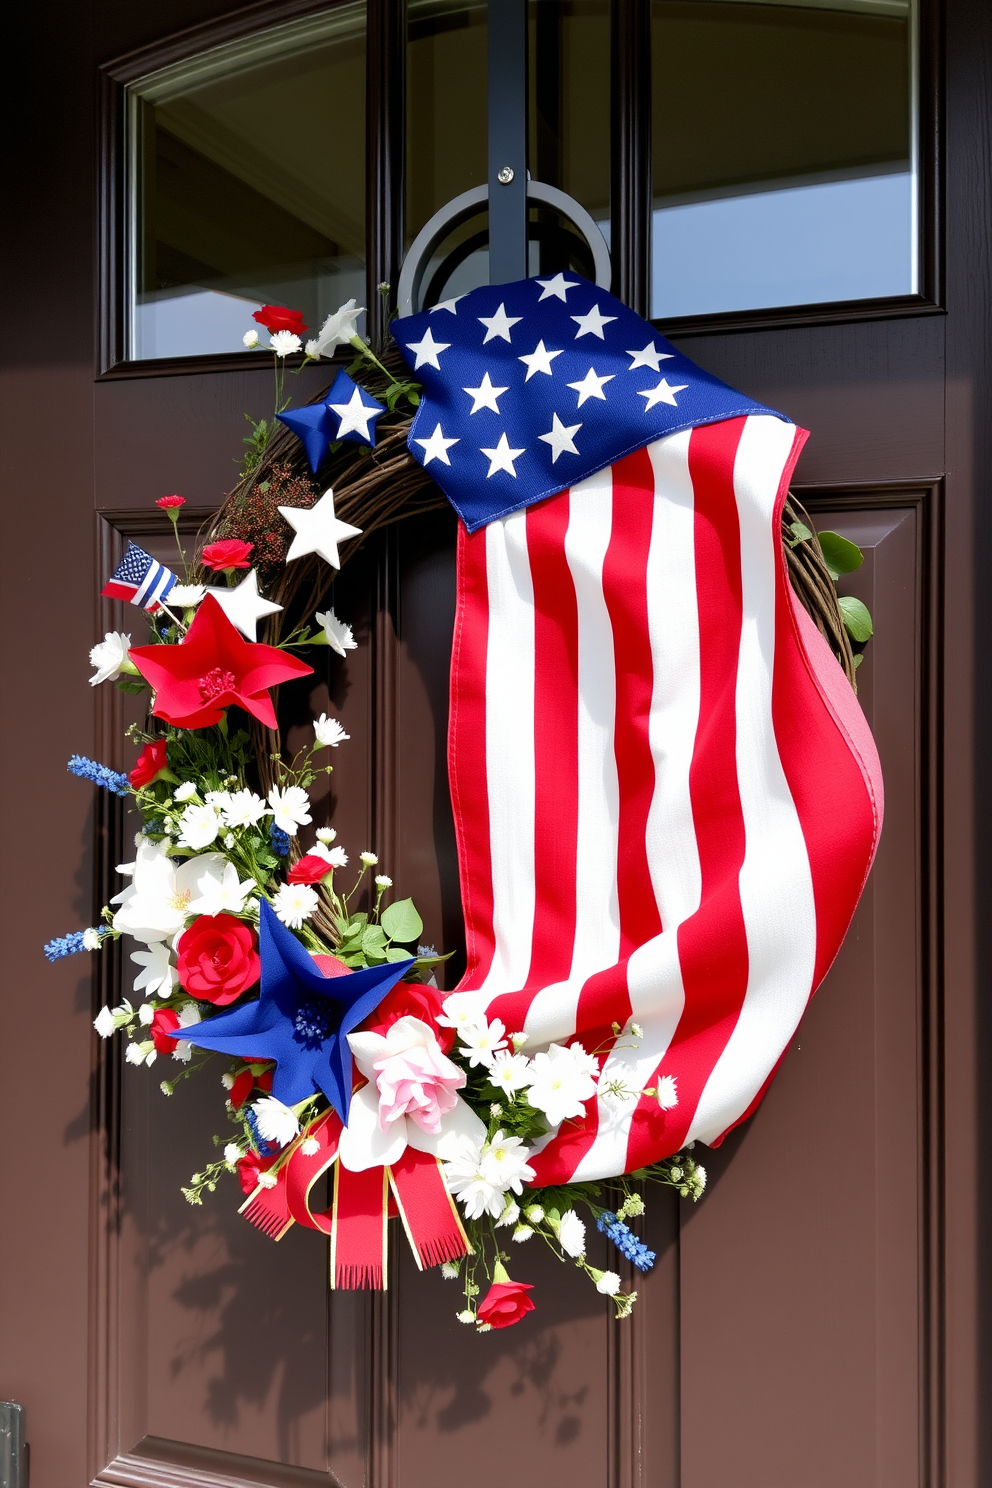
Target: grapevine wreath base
[297,980]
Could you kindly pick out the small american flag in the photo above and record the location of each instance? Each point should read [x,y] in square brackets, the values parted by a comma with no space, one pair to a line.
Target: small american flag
[140,579]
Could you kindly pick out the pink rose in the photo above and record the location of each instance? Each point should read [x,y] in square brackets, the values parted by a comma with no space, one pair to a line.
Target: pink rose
[413,1077]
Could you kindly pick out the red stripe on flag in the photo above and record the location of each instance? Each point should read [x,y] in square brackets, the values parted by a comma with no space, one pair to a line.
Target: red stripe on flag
[467,754]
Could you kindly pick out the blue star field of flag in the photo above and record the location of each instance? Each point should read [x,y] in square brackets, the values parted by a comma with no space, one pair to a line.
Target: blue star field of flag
[531,387]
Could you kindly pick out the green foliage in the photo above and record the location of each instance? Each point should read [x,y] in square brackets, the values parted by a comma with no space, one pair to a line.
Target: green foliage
[839,554]
[857,620]
[401,921]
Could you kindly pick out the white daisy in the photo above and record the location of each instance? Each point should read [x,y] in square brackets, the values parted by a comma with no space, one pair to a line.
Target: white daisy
[481,1041]
[294,903]
[276,1122]
[185,596]
[328,732]
[336,856]
[509,1072]
[243,808]
[560,1083]
[284,343]
[198,827]
[224,895]
[290,808]
[667,1093]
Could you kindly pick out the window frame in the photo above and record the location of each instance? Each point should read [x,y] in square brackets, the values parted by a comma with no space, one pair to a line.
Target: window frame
[631,190]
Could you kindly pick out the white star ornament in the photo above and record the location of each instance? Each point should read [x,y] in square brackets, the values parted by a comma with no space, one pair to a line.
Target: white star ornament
[539,360]
[355,416]
[591,386]
[592,323]
[437,447]
[650,356]
[317,530]
[244,606]
[663,393]
[498,325]
[556,288]
[559,436]
[502,457]
[427,351]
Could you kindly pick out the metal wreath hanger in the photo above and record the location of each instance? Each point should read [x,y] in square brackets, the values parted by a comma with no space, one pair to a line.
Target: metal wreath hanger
[509,190]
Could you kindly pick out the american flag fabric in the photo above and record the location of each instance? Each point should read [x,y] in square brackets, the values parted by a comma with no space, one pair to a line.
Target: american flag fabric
[665,795]
[140,579]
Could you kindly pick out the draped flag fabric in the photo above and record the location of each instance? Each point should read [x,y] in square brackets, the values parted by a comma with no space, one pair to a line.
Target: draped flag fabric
[665,795]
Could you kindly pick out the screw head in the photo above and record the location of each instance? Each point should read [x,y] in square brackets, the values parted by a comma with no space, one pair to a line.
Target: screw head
[505,175]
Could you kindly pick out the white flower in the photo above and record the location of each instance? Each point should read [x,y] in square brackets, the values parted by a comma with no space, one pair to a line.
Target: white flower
[463,1174]
[250,339]
[572,1234]
[466,1316]
[145,1014]
[185,792]
[198,827]
[143,1053]
[667,1093]
[534,1213]
[290,808]
[504,1162]
[218,799]
[326,834]
[328,732]
[510,1214]
[92,939]
[267,1180]
[382,882]
[700,1176]
[637,1030]
[522,1233]
[284,342]
[276,1122]
[509,1072]
[484,1328]
[518,1040]
[309,1146]
[336,856]
[158,976]
[560,1083]
[185,596]
[608,1284]
[232,1154]
[369,859]
[156,903]
[339,635]
[338,328]
[227,1080]
[449,1270]
[165,1088]
[110,657]
[294,903]
[223,895]
[480,1041]
[243,808]
[189,1013]
[104,1022]
[311,349]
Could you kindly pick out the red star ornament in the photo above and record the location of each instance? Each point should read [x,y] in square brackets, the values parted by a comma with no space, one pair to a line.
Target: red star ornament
[213,668]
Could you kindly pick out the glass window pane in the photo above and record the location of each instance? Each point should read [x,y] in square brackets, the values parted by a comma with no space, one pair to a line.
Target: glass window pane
[248,169]
[783,153]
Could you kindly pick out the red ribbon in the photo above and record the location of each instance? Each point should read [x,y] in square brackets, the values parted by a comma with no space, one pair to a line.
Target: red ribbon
[361,1207]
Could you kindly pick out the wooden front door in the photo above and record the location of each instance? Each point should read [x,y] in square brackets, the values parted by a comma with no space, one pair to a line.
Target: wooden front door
[816,1320]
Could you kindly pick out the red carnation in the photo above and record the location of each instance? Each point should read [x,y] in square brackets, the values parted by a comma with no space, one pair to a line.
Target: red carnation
[309,870]
[245,1081]
[225,555]
[278,318]
[149,765]
[249,1168]
[213,668]
[163,1023]
[505,1303]
[217,958]
[411,1000]
[167,503]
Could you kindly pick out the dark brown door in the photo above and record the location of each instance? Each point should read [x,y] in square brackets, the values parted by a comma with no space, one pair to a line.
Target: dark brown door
[817,1319]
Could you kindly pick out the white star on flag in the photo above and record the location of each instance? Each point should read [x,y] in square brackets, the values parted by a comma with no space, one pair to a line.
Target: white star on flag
[485,395]
[591,386]
[244,606]
[437,447]
[649,357]
[557,287]
[592,323]
[427,351]
[559,436]
[663,393]
[355,416]
[498,324]
[539,360]
[502,457]
[448,304]
[317,530]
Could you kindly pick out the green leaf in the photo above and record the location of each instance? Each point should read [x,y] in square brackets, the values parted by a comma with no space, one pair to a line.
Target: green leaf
[858,659]
[857,620]
[373,940]
[134,685]
[800,533]
[401,921]
[395,953]
[840,555]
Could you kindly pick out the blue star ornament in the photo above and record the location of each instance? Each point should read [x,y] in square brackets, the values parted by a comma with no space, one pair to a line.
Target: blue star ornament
[346,411]
[531,387]
[301,1019]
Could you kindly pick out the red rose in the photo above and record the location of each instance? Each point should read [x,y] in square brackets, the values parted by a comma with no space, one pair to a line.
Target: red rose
[245,1081]
[249,1168]
[217,958]
[505,1303]
[231,553]
[167,503]
[164,1021]
[278,318]
[149,764]
[309,870]
[411,1000]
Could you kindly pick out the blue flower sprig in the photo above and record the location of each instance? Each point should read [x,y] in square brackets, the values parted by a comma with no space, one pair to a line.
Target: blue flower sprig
[87,769]
[626,1241]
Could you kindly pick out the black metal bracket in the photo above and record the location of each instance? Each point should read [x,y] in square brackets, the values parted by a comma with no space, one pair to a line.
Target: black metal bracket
[507,59]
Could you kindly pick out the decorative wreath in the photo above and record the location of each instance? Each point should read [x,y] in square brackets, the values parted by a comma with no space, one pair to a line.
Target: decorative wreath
[264,951]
